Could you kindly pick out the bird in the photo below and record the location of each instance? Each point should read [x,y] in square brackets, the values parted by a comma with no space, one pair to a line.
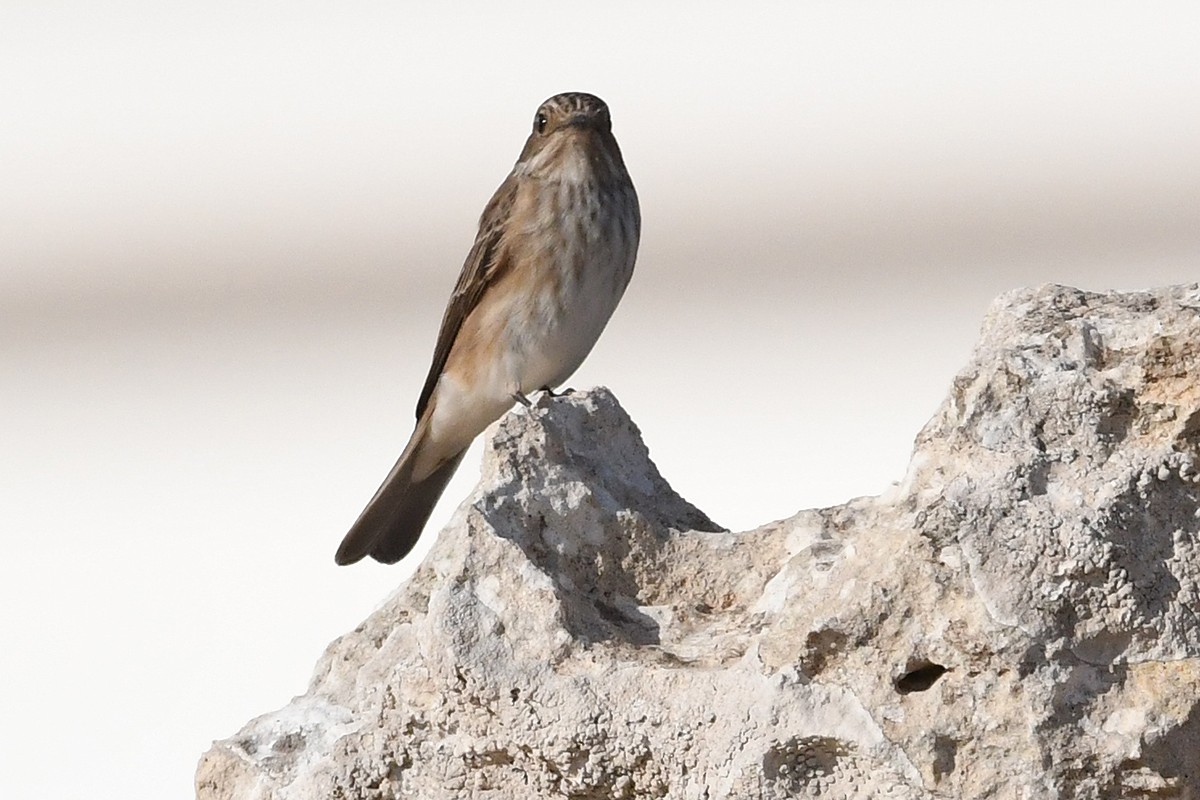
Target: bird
[553,255]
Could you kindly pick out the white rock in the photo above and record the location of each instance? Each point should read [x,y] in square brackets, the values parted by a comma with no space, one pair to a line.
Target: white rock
[1018,618]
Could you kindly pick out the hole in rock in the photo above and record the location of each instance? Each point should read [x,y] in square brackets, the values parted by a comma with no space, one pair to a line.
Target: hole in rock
[919,677]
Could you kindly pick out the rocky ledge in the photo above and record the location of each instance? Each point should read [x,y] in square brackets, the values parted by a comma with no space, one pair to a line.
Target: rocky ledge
[1017,618]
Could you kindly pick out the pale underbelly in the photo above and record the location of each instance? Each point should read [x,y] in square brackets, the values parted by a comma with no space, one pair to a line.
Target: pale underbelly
[532,342]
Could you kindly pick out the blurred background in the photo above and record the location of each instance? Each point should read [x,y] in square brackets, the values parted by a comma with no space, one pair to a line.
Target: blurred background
[228,231]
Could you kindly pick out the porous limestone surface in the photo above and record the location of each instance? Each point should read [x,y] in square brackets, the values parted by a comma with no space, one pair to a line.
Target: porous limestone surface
[1017,618]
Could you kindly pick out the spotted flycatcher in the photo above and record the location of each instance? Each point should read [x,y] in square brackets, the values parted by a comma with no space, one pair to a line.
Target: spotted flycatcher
[554,253]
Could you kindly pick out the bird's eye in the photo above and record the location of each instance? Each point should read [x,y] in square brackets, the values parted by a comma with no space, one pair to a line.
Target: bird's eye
[540,123]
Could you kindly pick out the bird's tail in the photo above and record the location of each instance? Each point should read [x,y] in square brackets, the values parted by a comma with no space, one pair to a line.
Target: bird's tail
[392,522]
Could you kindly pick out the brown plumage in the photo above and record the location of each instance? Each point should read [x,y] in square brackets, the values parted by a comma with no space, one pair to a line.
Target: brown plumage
[554,252]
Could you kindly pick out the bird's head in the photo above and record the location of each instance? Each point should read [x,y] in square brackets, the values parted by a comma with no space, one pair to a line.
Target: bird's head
[565,127]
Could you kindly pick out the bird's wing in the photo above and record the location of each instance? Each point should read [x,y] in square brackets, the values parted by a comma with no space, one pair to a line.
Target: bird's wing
[484,265]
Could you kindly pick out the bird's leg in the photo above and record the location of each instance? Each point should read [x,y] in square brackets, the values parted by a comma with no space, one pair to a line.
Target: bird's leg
[520,397]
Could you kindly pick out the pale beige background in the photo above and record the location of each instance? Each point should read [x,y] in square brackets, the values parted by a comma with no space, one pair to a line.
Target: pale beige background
[227,231]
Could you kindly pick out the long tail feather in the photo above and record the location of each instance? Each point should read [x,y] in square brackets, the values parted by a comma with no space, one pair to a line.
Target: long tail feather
[391,523]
